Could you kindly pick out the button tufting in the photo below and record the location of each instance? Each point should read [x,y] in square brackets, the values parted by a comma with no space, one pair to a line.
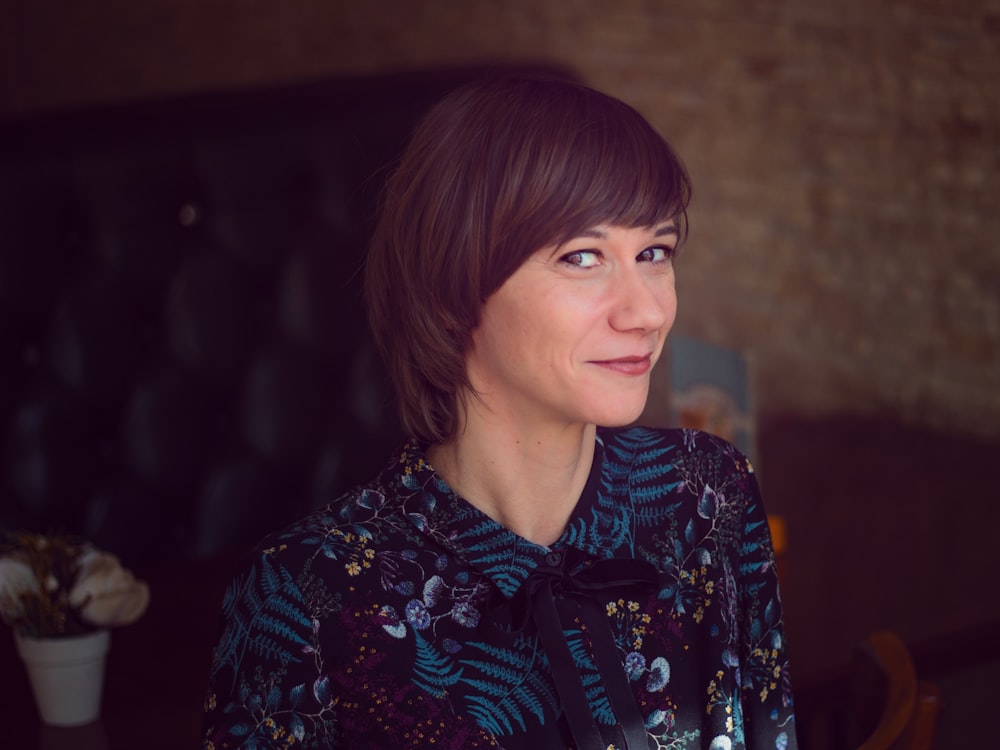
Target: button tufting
[180,295]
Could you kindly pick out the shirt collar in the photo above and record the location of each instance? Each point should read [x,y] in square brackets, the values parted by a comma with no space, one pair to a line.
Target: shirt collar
[506,558]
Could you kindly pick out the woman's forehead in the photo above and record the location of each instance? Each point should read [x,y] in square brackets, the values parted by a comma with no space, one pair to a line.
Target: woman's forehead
[664,228]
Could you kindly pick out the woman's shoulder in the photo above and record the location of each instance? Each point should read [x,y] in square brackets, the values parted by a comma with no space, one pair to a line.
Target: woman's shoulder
[350,519]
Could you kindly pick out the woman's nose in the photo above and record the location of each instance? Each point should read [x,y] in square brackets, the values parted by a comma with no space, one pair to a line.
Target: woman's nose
[641,303]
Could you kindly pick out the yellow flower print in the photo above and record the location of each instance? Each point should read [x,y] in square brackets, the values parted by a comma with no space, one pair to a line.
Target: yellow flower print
[353,569]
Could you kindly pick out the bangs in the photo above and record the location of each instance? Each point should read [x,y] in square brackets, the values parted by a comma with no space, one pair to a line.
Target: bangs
[579,159]
[626,175]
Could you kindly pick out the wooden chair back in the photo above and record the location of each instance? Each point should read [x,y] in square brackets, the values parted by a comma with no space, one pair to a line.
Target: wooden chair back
[894,709]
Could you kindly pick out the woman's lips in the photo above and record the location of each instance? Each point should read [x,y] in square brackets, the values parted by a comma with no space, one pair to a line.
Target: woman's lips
[627,365]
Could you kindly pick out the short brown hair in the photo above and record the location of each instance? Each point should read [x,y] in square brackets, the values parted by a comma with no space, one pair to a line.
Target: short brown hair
[494,172]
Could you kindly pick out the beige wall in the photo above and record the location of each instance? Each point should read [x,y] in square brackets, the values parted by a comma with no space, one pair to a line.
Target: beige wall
[846,156]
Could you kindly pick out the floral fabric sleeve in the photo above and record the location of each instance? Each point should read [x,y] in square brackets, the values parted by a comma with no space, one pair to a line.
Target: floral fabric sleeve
[766,678]
[267,686]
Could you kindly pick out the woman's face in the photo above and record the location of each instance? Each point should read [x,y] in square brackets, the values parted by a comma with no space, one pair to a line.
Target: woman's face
[571,336]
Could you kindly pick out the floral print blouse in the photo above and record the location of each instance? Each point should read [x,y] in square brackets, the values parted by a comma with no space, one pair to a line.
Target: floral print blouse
[396,617]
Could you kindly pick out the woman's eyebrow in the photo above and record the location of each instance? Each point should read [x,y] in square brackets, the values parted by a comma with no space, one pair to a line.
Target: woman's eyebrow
[666,230]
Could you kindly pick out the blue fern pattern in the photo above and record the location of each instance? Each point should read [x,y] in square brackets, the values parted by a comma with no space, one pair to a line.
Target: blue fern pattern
[263,613]
[511,686]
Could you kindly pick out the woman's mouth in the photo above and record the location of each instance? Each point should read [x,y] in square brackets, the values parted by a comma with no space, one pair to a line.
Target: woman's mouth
[638,365]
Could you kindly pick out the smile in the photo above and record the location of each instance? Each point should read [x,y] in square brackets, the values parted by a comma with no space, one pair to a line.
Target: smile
[627,365]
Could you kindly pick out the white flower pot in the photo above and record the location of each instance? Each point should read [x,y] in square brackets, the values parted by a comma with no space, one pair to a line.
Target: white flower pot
[67,676]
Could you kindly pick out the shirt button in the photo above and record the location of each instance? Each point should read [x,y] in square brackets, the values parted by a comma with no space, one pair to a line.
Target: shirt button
[554,559]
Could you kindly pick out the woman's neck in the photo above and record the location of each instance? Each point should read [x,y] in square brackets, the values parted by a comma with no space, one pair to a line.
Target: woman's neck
[528,481]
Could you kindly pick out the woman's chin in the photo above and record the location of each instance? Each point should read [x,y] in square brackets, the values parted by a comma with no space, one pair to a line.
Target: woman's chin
[623,416]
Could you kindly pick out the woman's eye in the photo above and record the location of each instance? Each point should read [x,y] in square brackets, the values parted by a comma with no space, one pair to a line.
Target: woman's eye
[658,254]
[582,258]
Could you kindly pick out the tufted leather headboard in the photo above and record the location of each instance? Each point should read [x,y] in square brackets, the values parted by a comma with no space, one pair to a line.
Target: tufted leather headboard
[184,357]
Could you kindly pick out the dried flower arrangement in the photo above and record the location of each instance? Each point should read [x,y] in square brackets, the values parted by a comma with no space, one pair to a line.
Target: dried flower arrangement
[54,586]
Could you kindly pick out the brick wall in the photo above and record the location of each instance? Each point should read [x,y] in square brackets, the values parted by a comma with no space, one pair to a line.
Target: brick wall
[846,156]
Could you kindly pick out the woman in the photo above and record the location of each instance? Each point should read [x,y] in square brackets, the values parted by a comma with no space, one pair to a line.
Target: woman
[526,572]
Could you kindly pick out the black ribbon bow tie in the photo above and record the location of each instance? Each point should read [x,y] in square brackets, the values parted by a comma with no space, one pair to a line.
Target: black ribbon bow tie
[577,584]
